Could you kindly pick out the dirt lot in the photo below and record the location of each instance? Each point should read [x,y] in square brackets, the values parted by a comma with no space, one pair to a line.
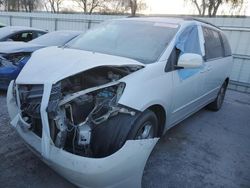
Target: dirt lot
[207,150]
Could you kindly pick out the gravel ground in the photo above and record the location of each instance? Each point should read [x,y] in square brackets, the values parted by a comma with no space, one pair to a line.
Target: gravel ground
[209,149]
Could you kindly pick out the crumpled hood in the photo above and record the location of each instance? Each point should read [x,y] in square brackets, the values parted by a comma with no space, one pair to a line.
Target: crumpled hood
[15,47]
[52,64]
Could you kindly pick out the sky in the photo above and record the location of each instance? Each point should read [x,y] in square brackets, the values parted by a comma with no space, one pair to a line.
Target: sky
[172,7]
[176,7]
[166,6]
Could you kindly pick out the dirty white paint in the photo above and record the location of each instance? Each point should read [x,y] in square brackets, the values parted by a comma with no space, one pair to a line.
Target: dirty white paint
[64,56]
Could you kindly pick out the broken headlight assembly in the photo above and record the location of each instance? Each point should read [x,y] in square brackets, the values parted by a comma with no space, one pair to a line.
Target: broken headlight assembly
[14,59]
[96,106]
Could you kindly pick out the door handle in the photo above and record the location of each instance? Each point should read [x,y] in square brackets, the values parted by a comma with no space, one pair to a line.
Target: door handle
[209,67]
[206,69]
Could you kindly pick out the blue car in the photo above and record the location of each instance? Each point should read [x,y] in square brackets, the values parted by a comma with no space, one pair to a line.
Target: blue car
[14,55]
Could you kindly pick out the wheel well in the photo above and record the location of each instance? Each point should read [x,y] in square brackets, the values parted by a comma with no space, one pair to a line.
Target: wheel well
[227,81]
[161,116]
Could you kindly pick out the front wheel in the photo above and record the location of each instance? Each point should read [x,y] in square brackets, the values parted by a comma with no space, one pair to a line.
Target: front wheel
[145,127]
[110,136]
[217,103]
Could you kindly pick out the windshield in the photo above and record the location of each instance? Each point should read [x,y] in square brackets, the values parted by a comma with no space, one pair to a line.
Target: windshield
[139,40]
[56,38]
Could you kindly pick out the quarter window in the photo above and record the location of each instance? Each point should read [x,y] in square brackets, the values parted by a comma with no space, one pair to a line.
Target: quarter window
[227,48]
[37,34]
[213,45]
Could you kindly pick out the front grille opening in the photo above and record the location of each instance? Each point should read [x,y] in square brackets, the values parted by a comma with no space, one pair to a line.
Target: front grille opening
[30,100]
[30,104]
[36,127]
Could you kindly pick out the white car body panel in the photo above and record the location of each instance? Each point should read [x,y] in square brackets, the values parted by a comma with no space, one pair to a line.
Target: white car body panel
[151,81]
[216,70]
[66,62]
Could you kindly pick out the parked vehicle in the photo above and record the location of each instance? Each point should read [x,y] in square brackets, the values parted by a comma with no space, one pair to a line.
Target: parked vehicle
[2,25]
[96,107]
[20,33]
[14,55]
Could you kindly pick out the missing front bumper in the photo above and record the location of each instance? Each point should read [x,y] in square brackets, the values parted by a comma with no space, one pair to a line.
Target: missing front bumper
[124,168]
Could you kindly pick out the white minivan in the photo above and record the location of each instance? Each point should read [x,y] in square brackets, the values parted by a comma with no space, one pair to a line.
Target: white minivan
[94,108]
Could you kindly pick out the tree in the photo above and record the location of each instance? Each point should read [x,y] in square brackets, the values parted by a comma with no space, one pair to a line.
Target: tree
[53,5]
[12,5]
[210,7]
[20,5]
[89,6]
[134,5]
[124,6]
[111,6]
[114,7]
[30,5]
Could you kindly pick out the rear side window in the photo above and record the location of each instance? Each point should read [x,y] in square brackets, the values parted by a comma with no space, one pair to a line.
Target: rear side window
[227,48]
[23,36]
[213,45]
[37,34]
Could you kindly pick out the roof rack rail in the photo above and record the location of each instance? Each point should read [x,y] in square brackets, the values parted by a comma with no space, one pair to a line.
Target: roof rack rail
[184,17]
[200,20]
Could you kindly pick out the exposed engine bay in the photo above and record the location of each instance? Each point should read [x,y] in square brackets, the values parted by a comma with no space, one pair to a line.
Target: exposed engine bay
[84,115]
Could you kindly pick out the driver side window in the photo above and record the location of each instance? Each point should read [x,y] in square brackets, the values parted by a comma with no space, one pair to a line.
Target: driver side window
[187,42]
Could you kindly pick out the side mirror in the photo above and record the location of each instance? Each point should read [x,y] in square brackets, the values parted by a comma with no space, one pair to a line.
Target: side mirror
[190,60]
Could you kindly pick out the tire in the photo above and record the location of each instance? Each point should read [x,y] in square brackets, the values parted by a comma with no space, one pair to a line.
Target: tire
[109,137]
[145,127]
[217,103]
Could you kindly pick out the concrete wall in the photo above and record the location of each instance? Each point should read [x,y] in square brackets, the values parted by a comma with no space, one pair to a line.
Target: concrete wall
[236,29]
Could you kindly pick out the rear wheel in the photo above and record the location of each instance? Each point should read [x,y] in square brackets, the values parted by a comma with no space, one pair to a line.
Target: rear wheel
[217,103]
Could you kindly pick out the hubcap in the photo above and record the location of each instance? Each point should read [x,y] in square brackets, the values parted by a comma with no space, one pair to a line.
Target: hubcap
[146,131]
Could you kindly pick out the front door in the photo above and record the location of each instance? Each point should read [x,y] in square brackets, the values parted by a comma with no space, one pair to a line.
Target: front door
[187,83]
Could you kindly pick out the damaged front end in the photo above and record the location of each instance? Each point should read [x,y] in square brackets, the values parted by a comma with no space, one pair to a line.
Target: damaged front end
[81,127]
[78,108]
